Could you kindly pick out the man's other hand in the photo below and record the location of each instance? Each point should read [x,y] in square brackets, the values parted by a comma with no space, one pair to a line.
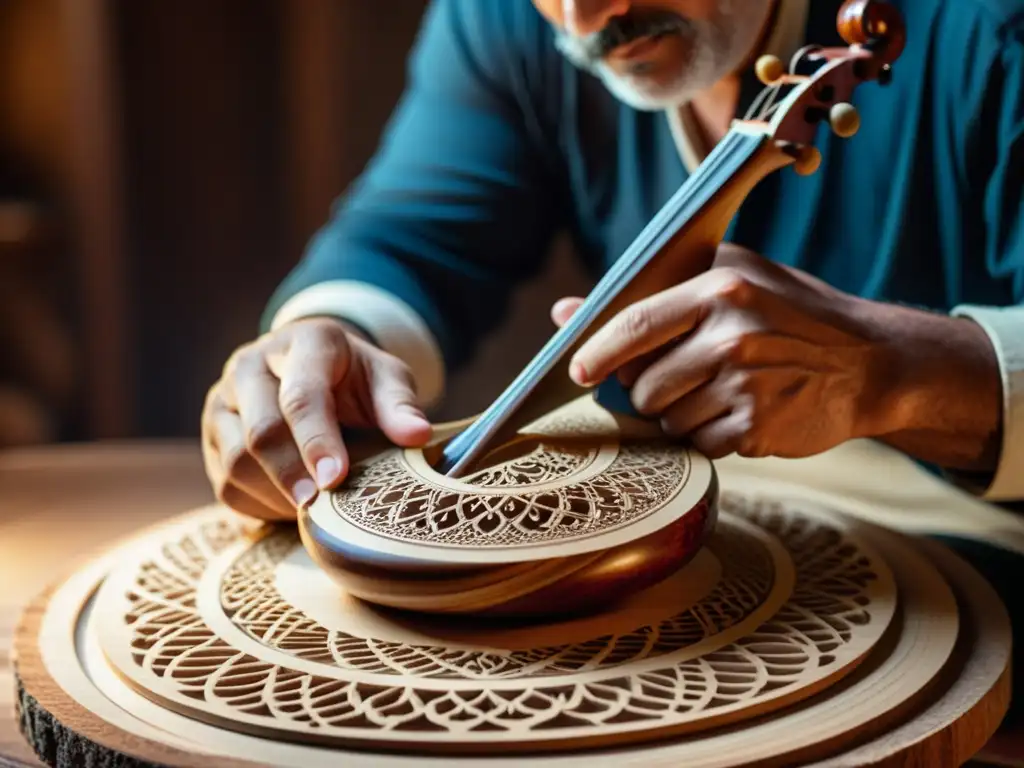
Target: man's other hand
[272,424]
[749,357]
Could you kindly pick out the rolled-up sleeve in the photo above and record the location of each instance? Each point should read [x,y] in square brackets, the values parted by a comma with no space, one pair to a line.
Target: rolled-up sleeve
[1003,251]
[1005,330]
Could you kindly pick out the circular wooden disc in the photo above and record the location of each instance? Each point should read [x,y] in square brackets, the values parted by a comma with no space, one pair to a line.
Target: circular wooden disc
[203,603]
[916,669]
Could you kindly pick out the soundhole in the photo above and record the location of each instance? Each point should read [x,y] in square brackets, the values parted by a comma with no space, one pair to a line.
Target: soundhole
[528,460]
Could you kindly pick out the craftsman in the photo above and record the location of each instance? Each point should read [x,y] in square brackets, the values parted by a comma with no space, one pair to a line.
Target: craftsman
[878,298]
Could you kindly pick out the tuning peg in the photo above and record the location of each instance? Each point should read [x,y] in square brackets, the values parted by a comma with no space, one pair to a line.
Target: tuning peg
[808,160]
[844,119]
[769,69]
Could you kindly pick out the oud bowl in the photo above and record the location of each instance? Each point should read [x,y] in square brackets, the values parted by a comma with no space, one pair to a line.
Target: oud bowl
[562,524]
[556,586]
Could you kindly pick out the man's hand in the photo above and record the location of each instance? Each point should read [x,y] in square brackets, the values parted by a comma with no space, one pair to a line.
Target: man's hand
[758,359]
[271,425]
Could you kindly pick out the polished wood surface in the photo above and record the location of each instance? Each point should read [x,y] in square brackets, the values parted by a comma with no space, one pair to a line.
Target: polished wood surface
[863,21]
[59,506]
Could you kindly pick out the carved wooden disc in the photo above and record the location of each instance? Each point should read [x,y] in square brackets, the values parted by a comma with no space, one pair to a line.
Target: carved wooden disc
[245,632]
[931,681]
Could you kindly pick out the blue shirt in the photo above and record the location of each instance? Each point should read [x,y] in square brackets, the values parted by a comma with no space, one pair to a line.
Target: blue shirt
[499,143]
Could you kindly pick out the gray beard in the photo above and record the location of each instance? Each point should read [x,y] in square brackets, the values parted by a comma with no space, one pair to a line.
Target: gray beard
[717,45]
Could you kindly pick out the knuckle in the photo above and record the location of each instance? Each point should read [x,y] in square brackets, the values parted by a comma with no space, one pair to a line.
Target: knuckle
[741,383]
[265,434]
[298,398]
[327,335]
[321,331]
[320,326]
[739,350]
[736,288]
[241,360]
[310,444]
[230,366]
[635,323]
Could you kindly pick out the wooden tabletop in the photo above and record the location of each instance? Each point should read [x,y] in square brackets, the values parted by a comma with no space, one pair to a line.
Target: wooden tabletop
[61,505]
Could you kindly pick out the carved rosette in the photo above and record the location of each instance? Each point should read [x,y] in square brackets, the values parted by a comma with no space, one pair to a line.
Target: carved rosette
[555,492]
[573,483]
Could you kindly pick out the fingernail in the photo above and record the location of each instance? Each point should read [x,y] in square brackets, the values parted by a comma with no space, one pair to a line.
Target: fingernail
[578,373]
[327,471]
[304,491]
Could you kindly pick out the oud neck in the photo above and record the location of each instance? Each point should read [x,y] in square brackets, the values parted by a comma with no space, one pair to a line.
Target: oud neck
[703,207]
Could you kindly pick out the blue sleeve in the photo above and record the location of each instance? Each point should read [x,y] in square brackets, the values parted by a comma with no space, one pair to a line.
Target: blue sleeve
[461,201]
[1003,119]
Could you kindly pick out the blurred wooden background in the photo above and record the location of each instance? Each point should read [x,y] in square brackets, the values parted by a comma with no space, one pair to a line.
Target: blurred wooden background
[161,166]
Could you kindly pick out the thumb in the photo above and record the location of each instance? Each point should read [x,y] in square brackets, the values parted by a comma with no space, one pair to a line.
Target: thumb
[563,309]
[394,403]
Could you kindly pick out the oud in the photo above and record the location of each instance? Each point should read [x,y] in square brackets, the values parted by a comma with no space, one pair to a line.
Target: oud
[547,502]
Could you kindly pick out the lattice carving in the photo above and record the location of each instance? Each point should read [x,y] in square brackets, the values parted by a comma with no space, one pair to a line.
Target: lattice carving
[842,604]
[252,601]
[543,464]
[502,507]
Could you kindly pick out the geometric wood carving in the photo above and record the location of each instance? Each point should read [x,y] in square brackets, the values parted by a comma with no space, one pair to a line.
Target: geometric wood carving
[776,631]
[860,697]
[573,483]
[195,621]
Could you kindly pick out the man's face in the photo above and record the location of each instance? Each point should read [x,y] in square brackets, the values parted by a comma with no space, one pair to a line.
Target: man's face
[655,54]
